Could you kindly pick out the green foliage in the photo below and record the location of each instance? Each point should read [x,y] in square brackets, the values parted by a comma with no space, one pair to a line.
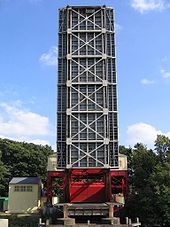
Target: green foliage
[21,159]
[162,147]
[3,174]
[149,183]
[160,180]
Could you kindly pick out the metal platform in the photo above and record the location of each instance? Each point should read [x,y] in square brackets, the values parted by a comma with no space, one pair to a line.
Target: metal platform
[84,209]
[88,209]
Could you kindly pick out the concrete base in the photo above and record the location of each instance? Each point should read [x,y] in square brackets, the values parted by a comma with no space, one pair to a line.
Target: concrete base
[67,221]
[112,221]
[4,222]
[94,225]
[106,222]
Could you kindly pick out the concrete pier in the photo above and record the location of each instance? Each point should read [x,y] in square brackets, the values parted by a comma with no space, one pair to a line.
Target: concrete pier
[114,222]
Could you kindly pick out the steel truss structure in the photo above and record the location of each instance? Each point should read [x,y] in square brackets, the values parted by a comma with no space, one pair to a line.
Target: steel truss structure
[87,125]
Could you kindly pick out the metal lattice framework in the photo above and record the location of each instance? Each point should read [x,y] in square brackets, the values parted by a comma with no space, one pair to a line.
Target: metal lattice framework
[87,133]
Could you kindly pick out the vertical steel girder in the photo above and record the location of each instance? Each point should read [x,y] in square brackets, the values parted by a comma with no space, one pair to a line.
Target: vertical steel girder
[87,96]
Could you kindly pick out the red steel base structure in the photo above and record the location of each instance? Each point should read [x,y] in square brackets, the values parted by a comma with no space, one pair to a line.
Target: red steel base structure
[94,185]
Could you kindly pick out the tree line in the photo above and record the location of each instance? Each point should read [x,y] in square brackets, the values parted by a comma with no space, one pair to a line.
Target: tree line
[21,159]
[149,175]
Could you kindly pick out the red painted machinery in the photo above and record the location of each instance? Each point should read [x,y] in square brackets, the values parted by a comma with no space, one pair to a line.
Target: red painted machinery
[96,185]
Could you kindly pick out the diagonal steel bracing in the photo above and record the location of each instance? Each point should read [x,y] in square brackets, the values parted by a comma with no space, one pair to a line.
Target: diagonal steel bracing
[87,69]
[87,154]
[86,43]
[86,18]
[86,97]
[87,126]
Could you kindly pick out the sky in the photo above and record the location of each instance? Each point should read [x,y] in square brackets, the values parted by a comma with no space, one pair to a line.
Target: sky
[28,68]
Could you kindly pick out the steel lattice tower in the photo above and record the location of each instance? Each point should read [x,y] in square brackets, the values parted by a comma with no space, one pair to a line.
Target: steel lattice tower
[87,125]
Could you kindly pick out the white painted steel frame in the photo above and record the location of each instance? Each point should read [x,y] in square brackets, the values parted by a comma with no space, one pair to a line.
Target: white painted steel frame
[87,131]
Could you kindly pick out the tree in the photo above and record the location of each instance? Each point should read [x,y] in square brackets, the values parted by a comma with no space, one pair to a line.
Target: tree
[141,164]
[149,185]
[160,180]
[3,175]
[162,148]
[21,159]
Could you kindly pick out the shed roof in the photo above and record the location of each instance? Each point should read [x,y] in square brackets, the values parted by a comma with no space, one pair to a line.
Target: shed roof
[25,180]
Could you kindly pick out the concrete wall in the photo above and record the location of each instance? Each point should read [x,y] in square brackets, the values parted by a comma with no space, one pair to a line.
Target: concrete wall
[52,162]
[4,222]
[23,202]
[122,162]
